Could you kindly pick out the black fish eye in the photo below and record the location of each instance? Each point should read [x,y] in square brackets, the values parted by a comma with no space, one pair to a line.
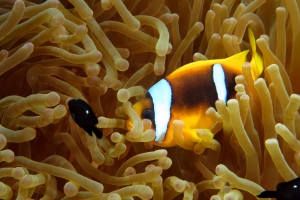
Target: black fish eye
[147,114]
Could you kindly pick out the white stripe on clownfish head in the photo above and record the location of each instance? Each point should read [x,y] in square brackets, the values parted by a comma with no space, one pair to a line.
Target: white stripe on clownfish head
[161,94]
[220,82]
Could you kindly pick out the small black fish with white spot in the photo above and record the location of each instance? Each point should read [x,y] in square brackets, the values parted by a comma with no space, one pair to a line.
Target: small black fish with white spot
[84,117]
[284,191]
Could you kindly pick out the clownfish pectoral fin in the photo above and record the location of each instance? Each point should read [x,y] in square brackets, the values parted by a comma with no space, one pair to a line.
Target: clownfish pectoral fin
[257,62]
[268,194]
[192,135]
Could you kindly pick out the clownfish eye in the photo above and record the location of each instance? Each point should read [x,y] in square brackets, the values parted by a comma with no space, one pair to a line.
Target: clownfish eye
[147,114]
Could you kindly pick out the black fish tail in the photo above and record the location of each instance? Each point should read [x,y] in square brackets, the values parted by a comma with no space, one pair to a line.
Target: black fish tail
[97,132]
[268,194]
[88,130]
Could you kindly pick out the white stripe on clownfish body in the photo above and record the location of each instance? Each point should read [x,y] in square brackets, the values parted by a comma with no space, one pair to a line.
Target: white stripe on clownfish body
[161,94]
[220,82]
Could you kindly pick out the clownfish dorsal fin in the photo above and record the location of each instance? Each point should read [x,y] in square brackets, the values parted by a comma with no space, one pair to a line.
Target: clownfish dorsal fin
[236,61]
[257,62]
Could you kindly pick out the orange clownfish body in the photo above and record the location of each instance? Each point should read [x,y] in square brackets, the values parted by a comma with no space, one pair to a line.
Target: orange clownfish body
[189,91]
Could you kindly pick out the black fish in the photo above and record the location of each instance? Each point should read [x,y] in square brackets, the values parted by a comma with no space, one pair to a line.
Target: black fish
[84,117]
[284,191]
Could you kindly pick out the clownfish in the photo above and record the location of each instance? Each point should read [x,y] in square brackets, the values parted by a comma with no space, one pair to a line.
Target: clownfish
[83,115]
[189,91]
[284,191]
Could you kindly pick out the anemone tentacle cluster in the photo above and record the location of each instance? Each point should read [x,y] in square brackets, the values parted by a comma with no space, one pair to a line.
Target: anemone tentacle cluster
[108,53]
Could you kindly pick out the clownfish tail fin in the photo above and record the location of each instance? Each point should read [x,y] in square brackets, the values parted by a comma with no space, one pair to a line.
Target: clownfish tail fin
[257,61]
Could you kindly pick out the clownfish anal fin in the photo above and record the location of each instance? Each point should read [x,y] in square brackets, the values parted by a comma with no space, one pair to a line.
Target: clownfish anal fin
[268,194]
[257,61]
[192,134]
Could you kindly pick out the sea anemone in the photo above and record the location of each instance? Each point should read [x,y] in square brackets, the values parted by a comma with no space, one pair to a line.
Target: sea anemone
[108,53]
